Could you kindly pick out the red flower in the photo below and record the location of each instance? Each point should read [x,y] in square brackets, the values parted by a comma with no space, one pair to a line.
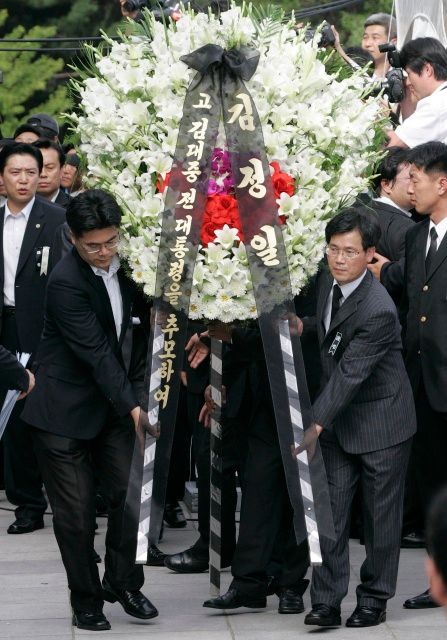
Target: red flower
[220,210]
[282,182]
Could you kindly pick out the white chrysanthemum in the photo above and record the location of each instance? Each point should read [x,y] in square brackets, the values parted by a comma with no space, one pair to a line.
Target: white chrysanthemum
[315,125]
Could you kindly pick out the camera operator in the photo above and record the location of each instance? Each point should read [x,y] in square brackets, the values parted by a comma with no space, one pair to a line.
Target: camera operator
[380,28]
[425,63]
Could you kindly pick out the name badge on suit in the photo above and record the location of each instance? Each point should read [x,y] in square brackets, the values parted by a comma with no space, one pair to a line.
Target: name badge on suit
[42,259]
[335,344]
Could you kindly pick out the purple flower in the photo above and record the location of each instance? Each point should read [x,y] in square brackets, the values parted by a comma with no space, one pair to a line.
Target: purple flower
[228,183]
[213,187]
[220,162]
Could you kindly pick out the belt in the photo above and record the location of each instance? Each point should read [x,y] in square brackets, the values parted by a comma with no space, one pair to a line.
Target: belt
[8,311]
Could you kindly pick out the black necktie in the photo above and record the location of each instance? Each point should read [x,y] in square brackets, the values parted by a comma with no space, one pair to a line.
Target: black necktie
[336,297]
[431,250]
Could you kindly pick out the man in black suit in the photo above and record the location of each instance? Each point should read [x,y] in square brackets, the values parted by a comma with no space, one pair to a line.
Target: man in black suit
[196,369]
[393,203]
[392,206]
[266,532]
[49,186]
[85,410]
[13,375]
[424,317]
[27,231]
[365,415]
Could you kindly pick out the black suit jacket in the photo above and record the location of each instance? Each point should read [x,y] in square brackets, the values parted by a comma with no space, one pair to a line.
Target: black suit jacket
[80,372]
[62,199]
[394,225]
[424,313]
[12,374]
[365,395]
[43,222]
[245,371]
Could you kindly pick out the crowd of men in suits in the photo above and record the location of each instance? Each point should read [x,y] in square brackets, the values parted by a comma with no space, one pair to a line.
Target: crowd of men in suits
[372,325]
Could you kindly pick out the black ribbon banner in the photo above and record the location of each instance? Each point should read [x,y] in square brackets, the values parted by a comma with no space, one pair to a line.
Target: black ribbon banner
[218,88]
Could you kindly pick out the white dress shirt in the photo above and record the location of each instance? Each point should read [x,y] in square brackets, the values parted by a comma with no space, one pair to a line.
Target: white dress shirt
[391,203]
[346,291]
[53,199]
[441,230]
[14,226]
[428,122]
[112,284]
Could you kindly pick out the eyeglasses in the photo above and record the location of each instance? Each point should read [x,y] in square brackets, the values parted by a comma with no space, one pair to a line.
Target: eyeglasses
[96,248]
[334,252]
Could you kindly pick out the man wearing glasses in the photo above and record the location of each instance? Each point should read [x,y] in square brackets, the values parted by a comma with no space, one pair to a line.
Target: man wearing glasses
[365,418]
[86,409]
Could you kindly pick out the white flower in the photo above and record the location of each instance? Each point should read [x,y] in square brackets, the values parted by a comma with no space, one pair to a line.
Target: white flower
[226,236]
[316,125]
[215,253]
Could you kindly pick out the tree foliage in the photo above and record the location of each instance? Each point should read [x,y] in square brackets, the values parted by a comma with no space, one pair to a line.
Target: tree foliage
[68,17]
[31,80]
[28,79]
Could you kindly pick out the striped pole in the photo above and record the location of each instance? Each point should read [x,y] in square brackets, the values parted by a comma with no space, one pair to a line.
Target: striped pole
[216,468]
[150,444]
[313,537]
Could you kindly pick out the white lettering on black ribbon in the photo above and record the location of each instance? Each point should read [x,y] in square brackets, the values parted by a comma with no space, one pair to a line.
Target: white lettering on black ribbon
[219,86]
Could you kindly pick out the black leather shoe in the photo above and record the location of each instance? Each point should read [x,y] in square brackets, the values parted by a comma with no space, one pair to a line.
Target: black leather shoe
[22,525]
[290,601]
[322,615]
[363,616]
[173,516]
[233,599]
[90,621]
[187,562]
[155,557]
[422,601]
[413,540]
[133,602]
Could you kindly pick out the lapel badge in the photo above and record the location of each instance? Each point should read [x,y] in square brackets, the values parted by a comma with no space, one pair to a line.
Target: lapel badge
[37,226]
[334,346]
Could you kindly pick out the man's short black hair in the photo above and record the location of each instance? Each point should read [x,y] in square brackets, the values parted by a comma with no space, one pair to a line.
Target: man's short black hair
[21,149]
[92,209]
[437,533]
[420,51]
[430,156]
[355,218]
[390,165]
[49,144]
[27,128]
[385,20]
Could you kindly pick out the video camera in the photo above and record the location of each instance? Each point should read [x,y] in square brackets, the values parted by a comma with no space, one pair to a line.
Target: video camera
[393,85]
[327,38]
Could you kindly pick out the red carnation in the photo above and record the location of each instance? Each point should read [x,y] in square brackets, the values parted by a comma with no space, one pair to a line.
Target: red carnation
[282,182]
[220,210]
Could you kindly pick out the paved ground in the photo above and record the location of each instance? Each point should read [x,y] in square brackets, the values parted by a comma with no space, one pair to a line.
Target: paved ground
[34,599]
